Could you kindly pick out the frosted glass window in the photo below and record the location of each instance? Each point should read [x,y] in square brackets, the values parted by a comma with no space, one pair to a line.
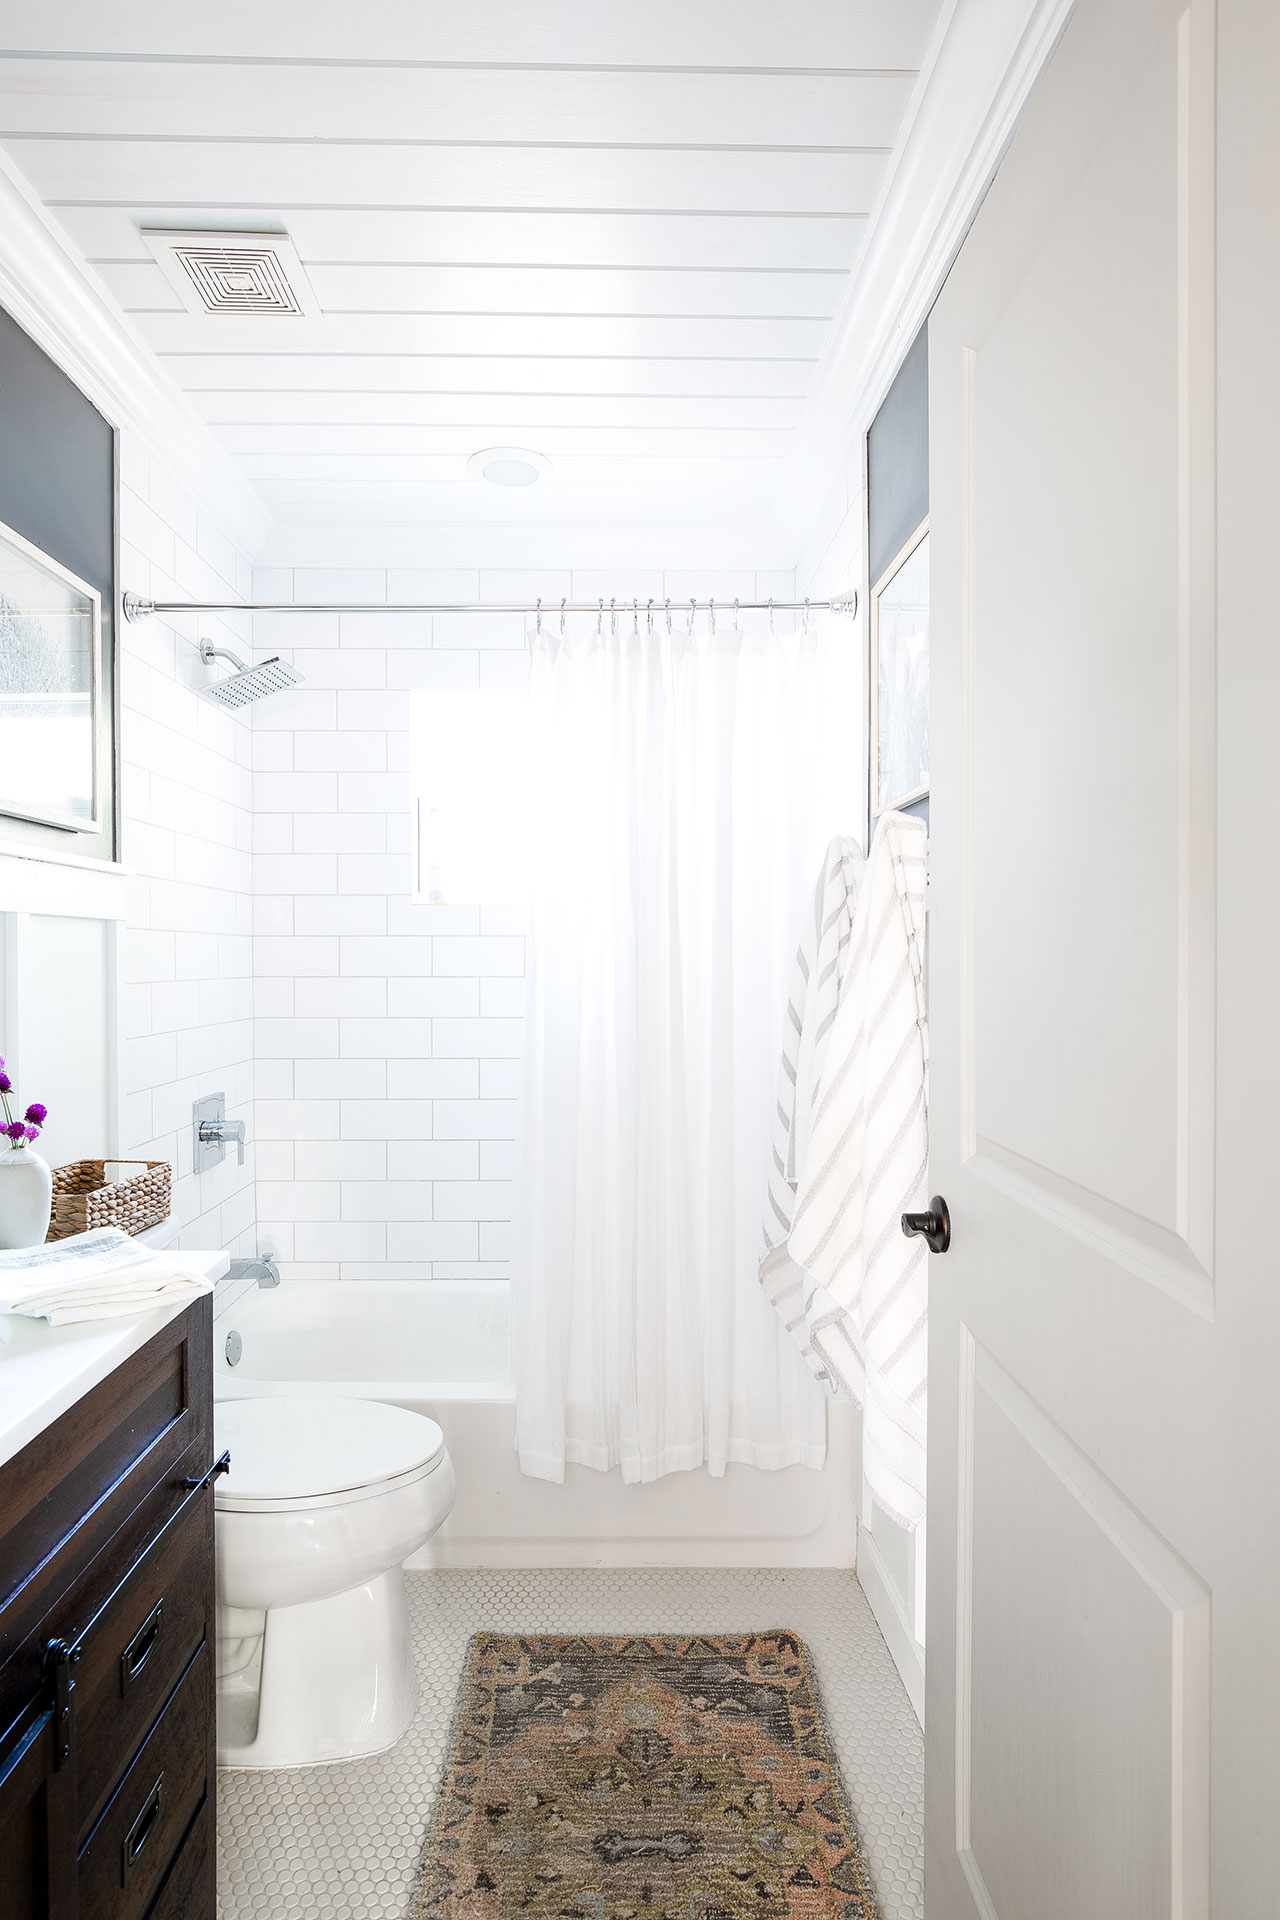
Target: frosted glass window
[470,795]
[48,689]
[901,617]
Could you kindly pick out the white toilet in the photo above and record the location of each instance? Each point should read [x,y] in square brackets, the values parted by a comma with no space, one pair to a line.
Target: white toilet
[324,1500]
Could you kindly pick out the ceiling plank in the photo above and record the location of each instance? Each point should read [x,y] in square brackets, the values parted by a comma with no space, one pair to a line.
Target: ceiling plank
[404,287]
[278,177]
[525,411]
[564,336]
[313,452]
[663,32]
[332,104]
[496,239]
[271,373]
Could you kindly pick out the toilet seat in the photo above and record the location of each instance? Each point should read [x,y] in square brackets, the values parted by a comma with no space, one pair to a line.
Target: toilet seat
[291,1452]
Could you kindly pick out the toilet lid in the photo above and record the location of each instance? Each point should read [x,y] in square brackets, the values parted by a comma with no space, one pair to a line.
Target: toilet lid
[303,1446]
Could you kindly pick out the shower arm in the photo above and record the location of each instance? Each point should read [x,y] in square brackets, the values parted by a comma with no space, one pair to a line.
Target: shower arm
[209,653]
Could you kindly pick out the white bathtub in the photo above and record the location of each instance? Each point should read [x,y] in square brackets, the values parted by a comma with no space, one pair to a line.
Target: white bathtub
[406,1341]
[443,1348]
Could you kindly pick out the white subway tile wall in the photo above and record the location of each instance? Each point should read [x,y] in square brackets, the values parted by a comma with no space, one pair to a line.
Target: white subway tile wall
[187,831]
[388,1033]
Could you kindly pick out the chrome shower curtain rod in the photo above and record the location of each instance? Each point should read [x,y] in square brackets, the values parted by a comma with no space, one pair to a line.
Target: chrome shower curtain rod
[846,605]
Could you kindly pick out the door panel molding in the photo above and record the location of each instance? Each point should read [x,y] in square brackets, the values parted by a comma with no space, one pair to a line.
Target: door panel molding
[1175,1257]
[1141,1246]
[1174,1585]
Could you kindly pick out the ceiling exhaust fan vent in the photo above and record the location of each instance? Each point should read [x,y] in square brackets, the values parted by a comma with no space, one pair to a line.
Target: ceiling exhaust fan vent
[258,273]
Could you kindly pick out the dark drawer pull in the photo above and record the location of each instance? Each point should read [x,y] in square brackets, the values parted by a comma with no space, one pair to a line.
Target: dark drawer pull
[141,1647]
[221,1465]
[141,1831]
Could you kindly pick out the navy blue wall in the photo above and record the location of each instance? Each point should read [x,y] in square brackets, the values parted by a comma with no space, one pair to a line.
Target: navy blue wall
[898,472]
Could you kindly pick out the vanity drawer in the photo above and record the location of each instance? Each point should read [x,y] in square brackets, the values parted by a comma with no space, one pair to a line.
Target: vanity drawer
[137,1649]
[129,1853]
[103,1476]
[188,1891]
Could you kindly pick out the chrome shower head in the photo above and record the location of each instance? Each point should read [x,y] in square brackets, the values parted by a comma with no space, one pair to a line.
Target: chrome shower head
[248,683]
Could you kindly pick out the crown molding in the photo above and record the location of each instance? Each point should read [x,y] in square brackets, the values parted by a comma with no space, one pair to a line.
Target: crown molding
[70,314]
[982,65]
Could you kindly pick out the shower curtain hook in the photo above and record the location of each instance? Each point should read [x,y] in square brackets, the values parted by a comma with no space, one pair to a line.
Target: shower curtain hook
[613,618]
[737,617]
[770,613]
[562,618]
[667,607]
[711,615]
[600,618]
[538,609]
[806,613]
[693,613]
[648,616]
[635,619]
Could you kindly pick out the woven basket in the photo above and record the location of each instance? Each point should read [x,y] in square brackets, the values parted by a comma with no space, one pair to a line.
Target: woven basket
[83,1197]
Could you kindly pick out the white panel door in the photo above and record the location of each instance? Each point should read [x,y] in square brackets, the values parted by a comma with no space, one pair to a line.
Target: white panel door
[1104,1473]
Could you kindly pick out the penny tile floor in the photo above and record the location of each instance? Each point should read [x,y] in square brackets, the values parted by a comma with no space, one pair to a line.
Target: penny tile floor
[342,1841]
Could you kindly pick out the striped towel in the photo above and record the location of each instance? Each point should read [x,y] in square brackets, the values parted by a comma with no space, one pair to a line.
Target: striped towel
[101,1275]
[865,1284]
[822,960]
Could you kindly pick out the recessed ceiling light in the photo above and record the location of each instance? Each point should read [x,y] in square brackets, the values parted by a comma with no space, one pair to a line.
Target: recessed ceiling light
[508,466]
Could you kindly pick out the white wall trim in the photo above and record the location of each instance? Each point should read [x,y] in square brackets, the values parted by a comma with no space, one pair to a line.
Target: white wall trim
[69,313]
[904,1649]
[43,882]
[980,71]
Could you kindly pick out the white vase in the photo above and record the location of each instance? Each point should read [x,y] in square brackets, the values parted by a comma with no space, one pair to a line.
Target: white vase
[26,1197]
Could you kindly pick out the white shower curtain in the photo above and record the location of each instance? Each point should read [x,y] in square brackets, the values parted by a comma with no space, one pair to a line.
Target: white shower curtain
[683,790]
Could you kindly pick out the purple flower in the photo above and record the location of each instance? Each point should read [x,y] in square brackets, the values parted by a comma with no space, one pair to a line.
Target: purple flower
[6,1084]
[16,1131]
[36,1113]
[33,1133]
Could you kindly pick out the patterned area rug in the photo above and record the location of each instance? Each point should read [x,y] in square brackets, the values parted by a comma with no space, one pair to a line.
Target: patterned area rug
[654,1778]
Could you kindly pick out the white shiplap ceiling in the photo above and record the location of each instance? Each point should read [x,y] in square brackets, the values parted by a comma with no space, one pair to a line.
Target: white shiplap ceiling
[615,233]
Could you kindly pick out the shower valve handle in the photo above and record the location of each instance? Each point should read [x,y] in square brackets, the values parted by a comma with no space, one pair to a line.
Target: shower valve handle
[219,1132]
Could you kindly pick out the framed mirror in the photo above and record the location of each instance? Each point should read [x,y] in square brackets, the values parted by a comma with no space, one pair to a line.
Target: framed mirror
[900,678]
[50,705]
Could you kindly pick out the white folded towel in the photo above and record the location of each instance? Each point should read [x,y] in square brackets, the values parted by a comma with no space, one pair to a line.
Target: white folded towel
[102,1275]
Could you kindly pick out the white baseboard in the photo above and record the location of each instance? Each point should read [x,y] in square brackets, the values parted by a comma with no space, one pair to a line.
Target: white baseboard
[891,1618]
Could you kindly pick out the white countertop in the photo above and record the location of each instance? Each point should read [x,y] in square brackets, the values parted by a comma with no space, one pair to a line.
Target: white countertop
[44,1370]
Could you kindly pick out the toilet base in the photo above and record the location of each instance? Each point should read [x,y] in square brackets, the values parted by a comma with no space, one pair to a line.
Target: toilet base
[335,1680]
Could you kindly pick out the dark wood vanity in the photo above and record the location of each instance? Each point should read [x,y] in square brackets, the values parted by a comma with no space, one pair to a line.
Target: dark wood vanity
[107,1761]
